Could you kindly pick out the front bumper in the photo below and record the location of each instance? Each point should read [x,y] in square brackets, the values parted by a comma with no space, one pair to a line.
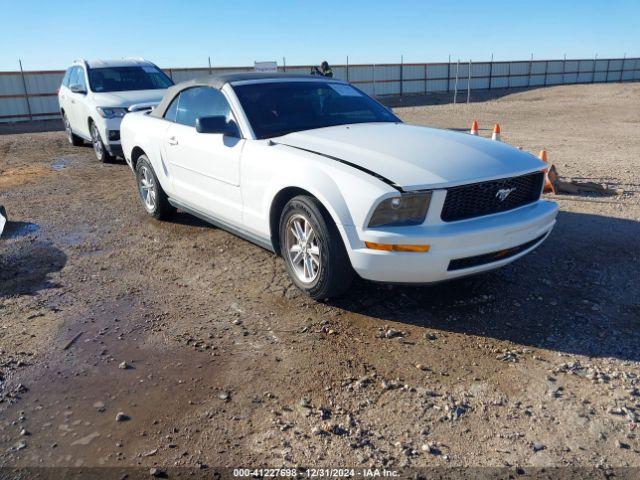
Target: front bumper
[115,149]
[450,241]
[107,127]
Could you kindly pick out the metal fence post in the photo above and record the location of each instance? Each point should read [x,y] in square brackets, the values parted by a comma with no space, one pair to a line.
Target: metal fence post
[209,65]
[347,68]
[374,79]
[401,72]
[455,89]
[425,79]
[171,74]
[546,69]
[26,93]
[530,68]
[449,74]
[490,71]
[606,77]
[593,74]
[624,58]
[469,83]
[284,64]
[564,67]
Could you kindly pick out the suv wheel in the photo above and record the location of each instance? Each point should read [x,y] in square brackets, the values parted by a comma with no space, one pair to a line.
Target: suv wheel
[72,137]
[154,199]
[312,249]
[102,154]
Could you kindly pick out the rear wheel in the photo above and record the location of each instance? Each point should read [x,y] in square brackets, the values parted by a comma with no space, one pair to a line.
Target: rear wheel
[102,154]
[312,248]
[154,199]
[74,140]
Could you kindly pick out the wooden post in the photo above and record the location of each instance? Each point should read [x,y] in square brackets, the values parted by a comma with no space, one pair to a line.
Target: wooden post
[26,92]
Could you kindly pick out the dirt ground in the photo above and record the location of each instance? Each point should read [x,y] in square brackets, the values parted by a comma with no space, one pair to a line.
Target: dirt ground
[227,364]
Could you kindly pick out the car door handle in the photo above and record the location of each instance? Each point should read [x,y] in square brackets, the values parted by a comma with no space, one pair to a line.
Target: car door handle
[172,141]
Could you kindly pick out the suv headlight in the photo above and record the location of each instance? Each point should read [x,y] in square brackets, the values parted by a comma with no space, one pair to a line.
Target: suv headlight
[109,112]
[406,209]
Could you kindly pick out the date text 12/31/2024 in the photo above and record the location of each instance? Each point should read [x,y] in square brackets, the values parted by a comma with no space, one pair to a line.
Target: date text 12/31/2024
[316,472]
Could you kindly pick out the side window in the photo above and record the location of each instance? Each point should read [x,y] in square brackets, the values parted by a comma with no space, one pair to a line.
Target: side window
[73,76]
[170,114]
[81,79]
[202,102]
[67,74]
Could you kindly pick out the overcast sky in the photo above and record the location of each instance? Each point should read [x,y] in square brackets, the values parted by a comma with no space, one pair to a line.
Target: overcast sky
[51,34]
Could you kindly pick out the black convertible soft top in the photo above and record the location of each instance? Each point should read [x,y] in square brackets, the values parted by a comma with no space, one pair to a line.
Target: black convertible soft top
[219,81]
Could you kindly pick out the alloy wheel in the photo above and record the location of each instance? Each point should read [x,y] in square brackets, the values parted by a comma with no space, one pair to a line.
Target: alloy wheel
[67,129]
[303,249]
[147,187]
[97,143]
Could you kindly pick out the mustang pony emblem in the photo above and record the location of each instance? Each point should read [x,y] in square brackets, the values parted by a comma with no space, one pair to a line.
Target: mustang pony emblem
[503,193]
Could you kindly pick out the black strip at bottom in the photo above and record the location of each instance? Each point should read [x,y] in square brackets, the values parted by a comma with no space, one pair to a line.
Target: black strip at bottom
[468,262]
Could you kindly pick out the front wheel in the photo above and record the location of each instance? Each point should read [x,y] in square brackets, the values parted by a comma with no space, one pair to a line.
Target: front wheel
[312,248]
[102,154]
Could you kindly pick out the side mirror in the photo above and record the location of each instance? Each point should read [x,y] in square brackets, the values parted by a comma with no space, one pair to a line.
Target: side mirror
[77,88]
[217,124]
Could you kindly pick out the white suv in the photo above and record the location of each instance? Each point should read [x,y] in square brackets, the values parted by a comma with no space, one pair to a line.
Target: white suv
[95,95]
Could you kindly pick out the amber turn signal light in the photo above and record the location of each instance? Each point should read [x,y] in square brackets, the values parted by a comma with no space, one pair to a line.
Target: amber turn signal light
[397,248]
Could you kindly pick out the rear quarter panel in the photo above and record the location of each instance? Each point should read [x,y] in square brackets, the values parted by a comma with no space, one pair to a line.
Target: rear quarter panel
[139,130]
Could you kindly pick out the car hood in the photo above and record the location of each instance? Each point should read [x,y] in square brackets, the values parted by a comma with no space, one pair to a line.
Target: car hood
[415,157]
[127,98]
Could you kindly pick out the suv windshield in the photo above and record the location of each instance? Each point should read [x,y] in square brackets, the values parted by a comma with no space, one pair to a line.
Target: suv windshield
[278,108]
[118,79]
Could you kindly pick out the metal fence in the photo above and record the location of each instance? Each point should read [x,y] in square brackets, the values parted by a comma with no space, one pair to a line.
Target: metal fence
[31,95]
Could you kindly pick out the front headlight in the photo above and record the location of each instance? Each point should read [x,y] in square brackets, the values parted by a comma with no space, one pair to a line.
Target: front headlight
[109,112]
[406,209]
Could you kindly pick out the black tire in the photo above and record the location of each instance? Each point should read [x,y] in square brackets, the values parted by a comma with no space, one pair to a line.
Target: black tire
[160,208]
[335,273]
[102,154]
[74,140]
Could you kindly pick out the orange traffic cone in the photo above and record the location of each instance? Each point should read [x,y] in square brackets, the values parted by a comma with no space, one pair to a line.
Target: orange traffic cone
[474,128]
[548,186]
[496,133]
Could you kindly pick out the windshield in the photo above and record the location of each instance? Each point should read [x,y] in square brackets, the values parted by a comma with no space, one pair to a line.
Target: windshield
[278,108]
[118,79]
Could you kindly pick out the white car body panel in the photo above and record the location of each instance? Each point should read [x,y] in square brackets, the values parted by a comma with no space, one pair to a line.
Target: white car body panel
[235,181]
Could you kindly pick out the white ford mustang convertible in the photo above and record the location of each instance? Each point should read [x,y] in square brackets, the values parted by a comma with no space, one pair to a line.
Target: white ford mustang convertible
[325,176]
